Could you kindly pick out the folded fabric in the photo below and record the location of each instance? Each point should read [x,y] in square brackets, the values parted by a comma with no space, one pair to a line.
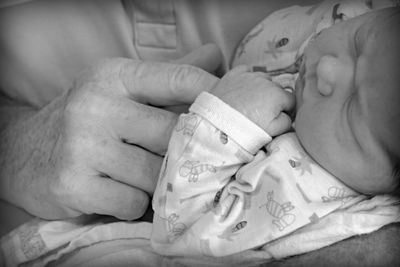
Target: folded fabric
[219,194]
[97,242]
[276,44]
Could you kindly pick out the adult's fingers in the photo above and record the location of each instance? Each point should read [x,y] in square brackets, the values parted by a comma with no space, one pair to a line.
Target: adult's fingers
[207,57]
[163,84]
[129,164]
[142,125]
[105,196]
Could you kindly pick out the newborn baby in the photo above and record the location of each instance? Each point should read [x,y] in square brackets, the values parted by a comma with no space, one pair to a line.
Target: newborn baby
[220,192]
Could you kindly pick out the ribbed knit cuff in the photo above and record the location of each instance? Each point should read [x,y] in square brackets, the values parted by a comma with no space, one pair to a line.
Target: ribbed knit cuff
[227,119]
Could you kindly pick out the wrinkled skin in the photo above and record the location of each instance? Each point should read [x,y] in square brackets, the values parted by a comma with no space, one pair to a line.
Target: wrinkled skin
[254,95]
[98,147]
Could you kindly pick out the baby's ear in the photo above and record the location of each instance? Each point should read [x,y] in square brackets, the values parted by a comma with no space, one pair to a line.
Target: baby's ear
[333,74]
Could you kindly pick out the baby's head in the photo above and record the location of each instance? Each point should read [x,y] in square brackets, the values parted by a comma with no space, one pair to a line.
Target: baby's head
[348,101]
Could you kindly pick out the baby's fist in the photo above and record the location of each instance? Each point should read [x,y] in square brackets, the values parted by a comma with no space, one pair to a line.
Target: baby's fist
[257,98]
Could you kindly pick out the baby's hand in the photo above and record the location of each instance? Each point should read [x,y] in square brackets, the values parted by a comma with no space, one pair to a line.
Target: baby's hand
[258,98]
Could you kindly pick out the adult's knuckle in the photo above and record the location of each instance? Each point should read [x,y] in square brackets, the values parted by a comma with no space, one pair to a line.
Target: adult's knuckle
[88,105]
[71,112]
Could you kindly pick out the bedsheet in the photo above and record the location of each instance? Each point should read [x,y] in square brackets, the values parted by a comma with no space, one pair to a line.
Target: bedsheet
[99,241]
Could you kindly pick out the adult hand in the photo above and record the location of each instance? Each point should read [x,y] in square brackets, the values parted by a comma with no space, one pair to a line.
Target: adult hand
[258,98]
[97,148]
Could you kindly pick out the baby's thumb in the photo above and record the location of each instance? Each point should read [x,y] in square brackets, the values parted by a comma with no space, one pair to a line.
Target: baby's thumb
[279,125]
[207,57]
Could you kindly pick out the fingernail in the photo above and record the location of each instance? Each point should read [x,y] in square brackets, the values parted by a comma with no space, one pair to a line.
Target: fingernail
[289,89]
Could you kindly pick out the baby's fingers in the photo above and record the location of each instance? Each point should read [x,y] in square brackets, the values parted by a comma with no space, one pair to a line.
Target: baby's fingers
[281,124]
[288,101]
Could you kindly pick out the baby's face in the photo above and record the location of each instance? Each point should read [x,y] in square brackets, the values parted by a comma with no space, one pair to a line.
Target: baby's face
[348,100]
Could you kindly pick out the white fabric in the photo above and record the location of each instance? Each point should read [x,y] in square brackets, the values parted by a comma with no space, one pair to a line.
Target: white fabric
[200,210]
[280,39]
[98,243]
[228,120]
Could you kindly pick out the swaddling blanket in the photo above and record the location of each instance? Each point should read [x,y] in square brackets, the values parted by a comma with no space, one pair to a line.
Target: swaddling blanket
[219,194]
[83,242]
